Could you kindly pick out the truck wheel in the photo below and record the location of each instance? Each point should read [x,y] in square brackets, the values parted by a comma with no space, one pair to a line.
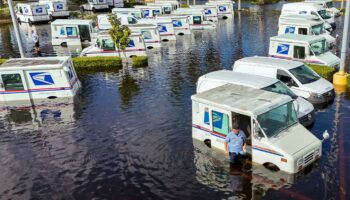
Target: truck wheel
[18,20]
[30,22]
[82,9]
[51,18]
[93,9]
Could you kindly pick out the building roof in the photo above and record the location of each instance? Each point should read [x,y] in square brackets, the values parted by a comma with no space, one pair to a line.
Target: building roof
[297,38]
[270,62]
[241,99]
[34,62]
[248,80]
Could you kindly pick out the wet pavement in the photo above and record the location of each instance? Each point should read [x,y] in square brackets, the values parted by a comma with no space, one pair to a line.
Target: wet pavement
[128,134]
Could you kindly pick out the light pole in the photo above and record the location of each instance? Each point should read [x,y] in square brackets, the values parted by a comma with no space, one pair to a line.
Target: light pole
[15,26]
[340,78]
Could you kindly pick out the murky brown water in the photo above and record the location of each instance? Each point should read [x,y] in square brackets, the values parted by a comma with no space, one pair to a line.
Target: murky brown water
[128,135]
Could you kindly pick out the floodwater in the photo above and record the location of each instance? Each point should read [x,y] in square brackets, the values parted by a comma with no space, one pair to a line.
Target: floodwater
[128,134]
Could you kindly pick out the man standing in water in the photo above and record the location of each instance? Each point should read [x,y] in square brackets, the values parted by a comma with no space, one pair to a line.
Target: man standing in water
[35,39]
[235,144]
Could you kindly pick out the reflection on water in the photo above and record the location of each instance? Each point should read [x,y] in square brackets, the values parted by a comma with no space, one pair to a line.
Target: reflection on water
[128,134]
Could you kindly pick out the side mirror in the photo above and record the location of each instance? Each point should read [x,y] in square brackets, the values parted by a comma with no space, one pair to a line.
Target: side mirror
[66,69]
[325,135]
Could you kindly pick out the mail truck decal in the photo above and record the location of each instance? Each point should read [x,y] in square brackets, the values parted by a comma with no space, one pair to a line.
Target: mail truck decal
[41,78]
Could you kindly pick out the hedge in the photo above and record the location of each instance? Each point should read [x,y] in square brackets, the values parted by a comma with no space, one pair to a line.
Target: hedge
[2,60]
[5,13]
[139,61]
[184,6]
[97,64]
[324,71]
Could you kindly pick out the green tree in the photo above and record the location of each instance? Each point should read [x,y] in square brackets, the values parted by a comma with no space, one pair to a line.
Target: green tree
[119,33]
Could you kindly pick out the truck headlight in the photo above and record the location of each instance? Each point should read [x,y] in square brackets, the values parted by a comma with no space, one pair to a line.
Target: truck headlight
[300,162]
[316,95]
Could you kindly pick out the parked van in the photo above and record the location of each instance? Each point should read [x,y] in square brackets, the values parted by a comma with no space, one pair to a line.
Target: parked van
[115,3]
[210,12]
[25,79]
[181,23]
[274,135]
[196,17]
[307,48]
[167,7]
[73,32]
[328,5]
[150,11]
[56,9]
[150,34]
[301,79]
[225,8]
[174,3]
[105,46]
[305,110]
[31,13]
[95,5]
[165,27]
[304,27]
[302,8]
[135,12]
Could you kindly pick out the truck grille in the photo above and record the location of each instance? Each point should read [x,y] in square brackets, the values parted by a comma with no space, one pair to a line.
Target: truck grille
[308,158]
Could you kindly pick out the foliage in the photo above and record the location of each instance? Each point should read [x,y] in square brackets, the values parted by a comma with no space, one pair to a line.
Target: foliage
[263,2]
[139,61]
[96,64]
[342,10]
[324,71]
[119,33]
[78,1]
[131,3]
[83,15]
[185,6]
[5,13]
[2,60]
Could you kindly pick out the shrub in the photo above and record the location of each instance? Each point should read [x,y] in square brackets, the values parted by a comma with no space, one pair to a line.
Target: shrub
[324,71]
[185,6]
[2,60]
[132,3]
[139,61]
[5,13]
[96,64]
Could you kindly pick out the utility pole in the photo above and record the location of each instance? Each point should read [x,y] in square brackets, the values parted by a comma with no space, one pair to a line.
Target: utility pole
[239,4]
[340,78]
[15,26]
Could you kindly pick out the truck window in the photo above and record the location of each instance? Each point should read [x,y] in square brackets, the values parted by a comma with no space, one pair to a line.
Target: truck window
[302,31]
[220,122]
[72,31]
[146,34]
[132,20]
[12,81]
[284,77]
[197,20]
[299,52]
[108,44]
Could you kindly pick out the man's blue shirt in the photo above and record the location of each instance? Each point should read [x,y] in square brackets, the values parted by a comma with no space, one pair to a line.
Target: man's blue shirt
[235,142]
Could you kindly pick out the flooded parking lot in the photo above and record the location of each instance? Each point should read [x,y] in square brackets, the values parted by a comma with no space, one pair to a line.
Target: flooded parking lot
[128,134]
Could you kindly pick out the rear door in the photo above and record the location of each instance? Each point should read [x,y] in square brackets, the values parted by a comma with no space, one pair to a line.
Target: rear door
[13,86]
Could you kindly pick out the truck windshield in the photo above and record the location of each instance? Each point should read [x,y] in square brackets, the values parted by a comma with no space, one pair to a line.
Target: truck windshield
[319,47]
[280,88]
[278,119]
[318,29]
[304,74]
[324,14]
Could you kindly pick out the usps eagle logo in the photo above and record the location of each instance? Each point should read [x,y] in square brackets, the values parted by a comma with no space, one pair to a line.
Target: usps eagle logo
[59,6]
[177,23]
[283,49]
[207,11]
[290,29]
[39,10]
[41,78]
[162,29]
[222,8]
[146,13]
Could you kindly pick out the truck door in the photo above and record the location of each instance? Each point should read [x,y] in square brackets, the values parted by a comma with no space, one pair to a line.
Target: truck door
[84,32]
[13,86]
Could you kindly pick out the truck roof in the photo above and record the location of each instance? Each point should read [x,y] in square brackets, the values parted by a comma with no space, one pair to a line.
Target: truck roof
[171,16]
[270,62]
[241,99]
[42,62]
[72,21]
[295,21]
[131,26]
[297,38]
[302,5]
[32,4]
[245,79]
[300,17]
